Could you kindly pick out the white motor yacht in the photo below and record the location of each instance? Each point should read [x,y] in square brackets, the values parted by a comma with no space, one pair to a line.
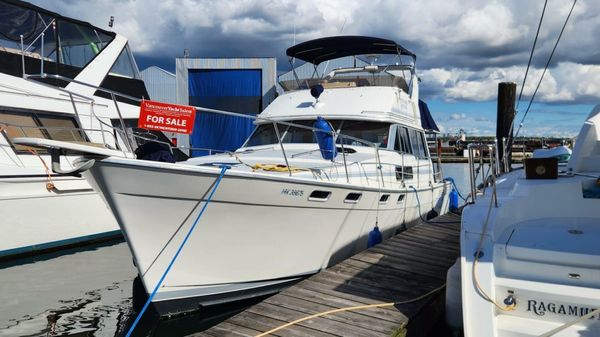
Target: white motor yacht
[286,207]
[529,261]
[56,74]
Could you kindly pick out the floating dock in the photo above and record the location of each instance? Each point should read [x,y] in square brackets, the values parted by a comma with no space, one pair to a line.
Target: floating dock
[407,266]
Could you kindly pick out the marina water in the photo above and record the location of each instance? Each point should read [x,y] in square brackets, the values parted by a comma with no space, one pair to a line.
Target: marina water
[88,292]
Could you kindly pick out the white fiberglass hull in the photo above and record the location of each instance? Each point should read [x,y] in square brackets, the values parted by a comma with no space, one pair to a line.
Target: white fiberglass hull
[540,247]
[260,230]
[35,220]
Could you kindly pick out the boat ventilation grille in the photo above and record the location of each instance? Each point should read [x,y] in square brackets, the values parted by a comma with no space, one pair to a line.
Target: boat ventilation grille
[352,198]
[319,196]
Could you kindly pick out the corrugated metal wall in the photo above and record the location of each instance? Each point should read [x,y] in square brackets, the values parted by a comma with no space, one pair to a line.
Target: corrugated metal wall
[161,84]
[268,66]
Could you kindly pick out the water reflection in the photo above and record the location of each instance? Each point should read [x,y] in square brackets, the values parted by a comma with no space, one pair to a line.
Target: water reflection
[87,292]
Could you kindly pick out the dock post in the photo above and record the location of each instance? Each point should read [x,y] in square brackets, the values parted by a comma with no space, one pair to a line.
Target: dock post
[505,116]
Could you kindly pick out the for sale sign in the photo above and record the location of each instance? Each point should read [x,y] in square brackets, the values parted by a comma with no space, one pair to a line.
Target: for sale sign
[166,117]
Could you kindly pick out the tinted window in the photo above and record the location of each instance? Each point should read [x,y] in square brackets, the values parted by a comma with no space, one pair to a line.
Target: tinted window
[423,144]
[417,143]
[403,140]
[39,125]
[125,65]
[375,132]
[61,128]
[79,44]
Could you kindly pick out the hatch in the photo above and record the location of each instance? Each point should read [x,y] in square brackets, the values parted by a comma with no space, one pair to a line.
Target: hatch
[562,241]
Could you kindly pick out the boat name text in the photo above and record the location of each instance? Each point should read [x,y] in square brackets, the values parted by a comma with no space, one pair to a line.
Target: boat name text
[540,308]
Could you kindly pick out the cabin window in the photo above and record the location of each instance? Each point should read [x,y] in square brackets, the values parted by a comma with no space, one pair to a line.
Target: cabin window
[418,147]
[376,132]
[423,144]
[79,44]
[403,140]
[125,65]
[404,173]
[39,125]
[61,128]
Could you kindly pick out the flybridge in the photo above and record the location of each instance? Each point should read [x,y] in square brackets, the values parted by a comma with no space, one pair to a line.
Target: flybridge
[34,40]
[350,61]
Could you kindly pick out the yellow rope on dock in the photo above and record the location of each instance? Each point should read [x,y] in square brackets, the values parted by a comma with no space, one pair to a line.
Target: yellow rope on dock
[359,307]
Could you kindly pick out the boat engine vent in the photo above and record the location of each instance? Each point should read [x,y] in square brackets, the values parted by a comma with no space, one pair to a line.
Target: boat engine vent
[319,195]
[352,198]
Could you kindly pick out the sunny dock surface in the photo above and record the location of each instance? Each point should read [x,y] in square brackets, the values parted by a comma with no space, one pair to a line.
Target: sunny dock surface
[408,265]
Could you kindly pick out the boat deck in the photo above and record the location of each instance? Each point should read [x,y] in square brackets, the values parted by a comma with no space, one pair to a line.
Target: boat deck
[408,265]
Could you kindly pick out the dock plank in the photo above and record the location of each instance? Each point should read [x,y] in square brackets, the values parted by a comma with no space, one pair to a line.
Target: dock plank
[408,265]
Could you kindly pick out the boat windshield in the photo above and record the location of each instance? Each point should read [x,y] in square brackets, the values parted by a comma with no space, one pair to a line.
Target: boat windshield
[67,44]
[374,132]
[351,71]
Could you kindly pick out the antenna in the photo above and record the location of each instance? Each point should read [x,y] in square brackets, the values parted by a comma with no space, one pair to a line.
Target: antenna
[111,21]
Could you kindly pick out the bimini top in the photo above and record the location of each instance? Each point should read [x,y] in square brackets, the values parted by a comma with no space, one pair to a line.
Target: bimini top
[329,48]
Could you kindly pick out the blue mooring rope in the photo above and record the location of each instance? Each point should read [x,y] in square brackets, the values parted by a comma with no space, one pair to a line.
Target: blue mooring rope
[162,278]
[455,187]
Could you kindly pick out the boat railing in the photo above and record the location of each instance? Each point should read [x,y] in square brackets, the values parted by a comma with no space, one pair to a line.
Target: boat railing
[40,37]
[76,133]
[479,156]
[130,137]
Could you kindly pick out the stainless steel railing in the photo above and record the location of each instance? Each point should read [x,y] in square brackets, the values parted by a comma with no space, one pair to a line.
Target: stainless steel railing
[478,157]
[128,138]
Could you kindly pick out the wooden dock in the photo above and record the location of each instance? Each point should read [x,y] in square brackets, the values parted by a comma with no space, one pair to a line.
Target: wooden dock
[402,268]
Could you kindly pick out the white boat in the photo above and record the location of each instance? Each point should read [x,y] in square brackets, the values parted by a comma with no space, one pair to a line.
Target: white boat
[562,153]
[282,211]
[538,271]
[57,106]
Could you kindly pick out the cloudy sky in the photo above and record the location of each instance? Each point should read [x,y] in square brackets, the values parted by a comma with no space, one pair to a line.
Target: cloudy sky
[464,47]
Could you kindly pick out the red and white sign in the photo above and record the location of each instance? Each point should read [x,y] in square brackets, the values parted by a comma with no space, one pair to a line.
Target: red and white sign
[166,117]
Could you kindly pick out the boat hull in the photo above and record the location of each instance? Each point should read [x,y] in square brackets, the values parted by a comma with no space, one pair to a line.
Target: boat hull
[260,230]
[39,220]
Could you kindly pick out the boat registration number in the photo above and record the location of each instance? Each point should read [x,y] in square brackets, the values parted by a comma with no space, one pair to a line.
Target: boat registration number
[292,192]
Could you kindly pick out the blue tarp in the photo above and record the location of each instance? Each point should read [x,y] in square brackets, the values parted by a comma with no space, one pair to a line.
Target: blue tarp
[427,121]
[237,90]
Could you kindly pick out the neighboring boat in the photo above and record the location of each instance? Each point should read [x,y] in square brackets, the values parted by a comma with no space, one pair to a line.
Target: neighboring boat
[538,266]
[283,211]
[42,210]
[562,153]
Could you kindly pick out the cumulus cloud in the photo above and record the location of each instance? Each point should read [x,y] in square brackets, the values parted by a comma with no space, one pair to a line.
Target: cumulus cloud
[457,116]
[567,82]
[464,47]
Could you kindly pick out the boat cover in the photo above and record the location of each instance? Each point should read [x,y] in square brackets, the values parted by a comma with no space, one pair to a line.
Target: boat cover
[333,47]
[427,121]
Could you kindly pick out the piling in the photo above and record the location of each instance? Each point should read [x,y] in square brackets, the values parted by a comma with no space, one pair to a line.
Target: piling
[505,115]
